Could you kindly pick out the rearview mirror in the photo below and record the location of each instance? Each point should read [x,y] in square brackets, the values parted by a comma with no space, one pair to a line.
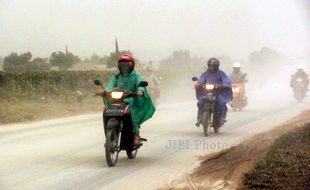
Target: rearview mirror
[143,84]
[194,79]
[97,82]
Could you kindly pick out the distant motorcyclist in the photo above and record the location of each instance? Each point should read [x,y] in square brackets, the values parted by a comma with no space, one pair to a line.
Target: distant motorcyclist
[154,83]
[150,71]
[238,79]
[300,77]
[237,76]
[213,75]
[128,79]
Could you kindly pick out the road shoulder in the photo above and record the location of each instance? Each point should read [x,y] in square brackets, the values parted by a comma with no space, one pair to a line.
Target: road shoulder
[225,170]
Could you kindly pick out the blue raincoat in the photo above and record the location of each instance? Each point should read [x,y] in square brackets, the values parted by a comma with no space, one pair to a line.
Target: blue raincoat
[223,96]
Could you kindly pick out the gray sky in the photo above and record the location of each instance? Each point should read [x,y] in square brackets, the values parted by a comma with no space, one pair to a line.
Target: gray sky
[153,29]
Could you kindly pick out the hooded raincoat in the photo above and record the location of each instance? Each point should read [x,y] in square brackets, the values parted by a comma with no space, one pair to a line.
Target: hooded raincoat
[223,96]
[142,107]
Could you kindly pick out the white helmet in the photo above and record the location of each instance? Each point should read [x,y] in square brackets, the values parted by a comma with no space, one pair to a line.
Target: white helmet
[237,65]
[300,67]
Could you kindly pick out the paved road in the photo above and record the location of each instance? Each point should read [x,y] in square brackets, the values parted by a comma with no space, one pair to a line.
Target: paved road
[69,153]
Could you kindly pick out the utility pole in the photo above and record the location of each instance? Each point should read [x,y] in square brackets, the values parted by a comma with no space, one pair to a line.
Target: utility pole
[116,46]
[66,49]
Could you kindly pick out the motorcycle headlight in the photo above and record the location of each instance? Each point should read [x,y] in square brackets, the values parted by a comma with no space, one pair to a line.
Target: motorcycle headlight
[209,86]
[236,89]
[299,80]
[117,95]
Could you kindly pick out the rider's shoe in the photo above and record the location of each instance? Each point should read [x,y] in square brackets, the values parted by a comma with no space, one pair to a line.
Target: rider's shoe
[197,124]
[222,122]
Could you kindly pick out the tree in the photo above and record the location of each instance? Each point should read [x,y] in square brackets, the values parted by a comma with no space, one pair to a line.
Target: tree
[40,64]
[23,63]
[95,58]
[180,60]
[16,63]
[104,60]
[178,67]
[264,56]
[63,61]
[38,60]
[182,57]
[1,63]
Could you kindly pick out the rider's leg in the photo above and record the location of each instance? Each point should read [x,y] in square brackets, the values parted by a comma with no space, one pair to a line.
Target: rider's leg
[222,108]
[136,128]
[200,105]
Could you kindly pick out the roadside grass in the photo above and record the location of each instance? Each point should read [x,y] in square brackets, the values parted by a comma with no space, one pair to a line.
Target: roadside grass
[270,160]
[30,96]
[23,111]
[286,165]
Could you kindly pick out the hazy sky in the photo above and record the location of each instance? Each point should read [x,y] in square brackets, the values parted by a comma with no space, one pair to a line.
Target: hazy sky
[153,29]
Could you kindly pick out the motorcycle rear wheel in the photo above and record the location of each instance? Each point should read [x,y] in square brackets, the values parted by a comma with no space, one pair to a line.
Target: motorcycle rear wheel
[131,154]
[216,124]
[216,129]
[299,96]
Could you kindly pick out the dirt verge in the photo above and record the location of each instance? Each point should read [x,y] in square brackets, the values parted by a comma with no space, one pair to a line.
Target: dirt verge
[225,170]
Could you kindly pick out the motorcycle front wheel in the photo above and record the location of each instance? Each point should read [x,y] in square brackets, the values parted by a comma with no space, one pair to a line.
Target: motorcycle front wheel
[111,152]
[206,122]
[299,95]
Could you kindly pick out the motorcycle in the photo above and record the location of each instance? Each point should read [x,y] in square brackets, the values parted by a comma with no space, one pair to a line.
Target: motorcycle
[155,93]
[299,89]
[154,89]
[210,117]
[239,100]
[118,126]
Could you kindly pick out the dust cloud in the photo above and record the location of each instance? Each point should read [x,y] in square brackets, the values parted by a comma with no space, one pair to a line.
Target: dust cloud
[152,30]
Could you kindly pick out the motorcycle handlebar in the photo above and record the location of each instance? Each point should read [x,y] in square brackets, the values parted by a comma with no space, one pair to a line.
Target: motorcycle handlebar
[216,86]
[125,94]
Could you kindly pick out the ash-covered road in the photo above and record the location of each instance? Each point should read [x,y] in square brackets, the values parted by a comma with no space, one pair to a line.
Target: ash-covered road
[69,153]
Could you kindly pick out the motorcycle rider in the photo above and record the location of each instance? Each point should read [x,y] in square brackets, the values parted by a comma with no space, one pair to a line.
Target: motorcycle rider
[213,75]
[152,76]
[142,107]
[154,83]
[238,79]
[300,74]
[237,76]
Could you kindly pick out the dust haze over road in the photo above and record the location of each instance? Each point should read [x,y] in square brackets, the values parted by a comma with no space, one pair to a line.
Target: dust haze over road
[69,153]
[153,29]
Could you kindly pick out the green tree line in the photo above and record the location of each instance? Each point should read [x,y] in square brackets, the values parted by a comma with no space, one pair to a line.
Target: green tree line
[24,62]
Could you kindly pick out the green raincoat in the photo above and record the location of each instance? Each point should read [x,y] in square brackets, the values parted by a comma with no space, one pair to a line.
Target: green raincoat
[142,107]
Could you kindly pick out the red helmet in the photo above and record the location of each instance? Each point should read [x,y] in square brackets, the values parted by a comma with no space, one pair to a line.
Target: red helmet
[126,57]
[126,63]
